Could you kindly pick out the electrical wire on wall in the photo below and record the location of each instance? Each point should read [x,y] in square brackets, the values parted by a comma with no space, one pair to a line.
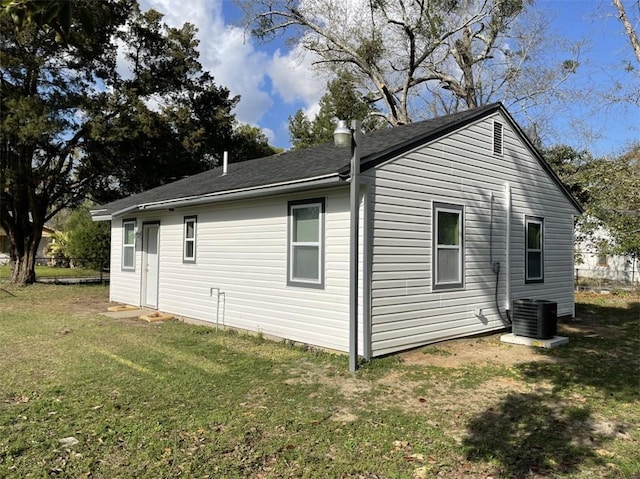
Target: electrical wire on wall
[495,266]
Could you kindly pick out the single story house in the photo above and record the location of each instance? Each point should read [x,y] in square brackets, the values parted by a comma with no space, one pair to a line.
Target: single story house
[5,246]
[456,217]
[596,262]
[608,268]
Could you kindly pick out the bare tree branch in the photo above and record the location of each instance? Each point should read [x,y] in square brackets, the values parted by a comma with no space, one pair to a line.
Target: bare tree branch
[631,33]
[413,55]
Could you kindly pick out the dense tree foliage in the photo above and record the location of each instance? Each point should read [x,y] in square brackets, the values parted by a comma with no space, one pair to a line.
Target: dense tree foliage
[613,186]
[165,119]
[609,191]
[342,101]
[569,164]
[46,94]
[88,241]
[109,111]
[250,142]
[52,14]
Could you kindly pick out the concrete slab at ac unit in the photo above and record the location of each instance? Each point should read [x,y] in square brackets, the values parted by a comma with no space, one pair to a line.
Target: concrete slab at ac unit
[536,343]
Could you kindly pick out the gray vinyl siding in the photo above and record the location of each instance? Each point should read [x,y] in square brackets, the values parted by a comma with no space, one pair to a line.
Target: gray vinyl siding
[124,284]
[242,252]
[536,196]
[460,169]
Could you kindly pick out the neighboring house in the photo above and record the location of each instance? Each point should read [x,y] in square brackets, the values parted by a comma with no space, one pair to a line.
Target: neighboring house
[449,209]
[595,262]
[5,245]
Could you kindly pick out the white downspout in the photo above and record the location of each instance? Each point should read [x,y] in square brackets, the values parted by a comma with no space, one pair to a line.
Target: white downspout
[507,262]
[353,254]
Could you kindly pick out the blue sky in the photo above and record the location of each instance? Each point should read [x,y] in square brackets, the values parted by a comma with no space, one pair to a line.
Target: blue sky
[274,81]
[602,63]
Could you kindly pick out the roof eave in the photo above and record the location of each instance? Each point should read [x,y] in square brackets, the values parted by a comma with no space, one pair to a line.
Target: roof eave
[324,181]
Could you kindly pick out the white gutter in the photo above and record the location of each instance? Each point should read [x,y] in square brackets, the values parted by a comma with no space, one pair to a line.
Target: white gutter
[241,193]
[123,211]
[95,216]
[100,217]
[507,267]
[275,188]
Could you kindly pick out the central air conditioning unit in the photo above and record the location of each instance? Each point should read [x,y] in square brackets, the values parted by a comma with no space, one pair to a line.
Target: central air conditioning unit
[535,318]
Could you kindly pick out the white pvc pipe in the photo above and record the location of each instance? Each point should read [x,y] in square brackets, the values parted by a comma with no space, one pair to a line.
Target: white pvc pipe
[507,263]
[225,162]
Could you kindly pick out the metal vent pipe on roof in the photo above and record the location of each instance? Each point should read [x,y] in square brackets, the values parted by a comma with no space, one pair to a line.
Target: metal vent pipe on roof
[225,162]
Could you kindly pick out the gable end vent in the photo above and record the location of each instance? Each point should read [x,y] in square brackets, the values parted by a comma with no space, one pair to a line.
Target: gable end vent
[497,138]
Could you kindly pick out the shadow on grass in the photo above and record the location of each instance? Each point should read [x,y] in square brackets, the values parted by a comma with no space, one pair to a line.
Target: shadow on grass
[540,433]
[525,434]
[602,355]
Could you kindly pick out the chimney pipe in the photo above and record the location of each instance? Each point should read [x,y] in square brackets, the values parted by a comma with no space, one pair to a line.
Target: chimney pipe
[225,162]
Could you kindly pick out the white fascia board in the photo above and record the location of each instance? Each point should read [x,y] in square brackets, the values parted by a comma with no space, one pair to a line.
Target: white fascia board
[308,183]
[99,215]
[124,210]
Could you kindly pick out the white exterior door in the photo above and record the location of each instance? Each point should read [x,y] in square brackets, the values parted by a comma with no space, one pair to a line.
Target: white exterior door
[150,263]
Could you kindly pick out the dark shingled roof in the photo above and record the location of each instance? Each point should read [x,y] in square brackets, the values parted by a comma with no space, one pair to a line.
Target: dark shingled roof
[319,161]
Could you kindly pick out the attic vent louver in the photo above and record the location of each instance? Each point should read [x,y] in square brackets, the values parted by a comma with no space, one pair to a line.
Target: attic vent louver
[497,138]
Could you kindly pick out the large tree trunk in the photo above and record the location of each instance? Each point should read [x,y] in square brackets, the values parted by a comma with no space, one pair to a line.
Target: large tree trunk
[25,246]
[24,269]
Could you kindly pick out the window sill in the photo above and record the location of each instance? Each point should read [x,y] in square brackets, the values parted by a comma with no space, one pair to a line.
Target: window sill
[448,287]
[303,284]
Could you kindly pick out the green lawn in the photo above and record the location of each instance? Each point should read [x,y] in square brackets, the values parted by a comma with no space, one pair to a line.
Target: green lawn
[54,272]
[84,395]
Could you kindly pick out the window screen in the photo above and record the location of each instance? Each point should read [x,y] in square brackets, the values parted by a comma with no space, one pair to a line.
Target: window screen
[189,245]
[128,244]
[448,253]
[305,265]
[534,254]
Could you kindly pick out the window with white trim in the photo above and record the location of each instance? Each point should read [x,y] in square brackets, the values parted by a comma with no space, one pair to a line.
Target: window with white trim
[189,235]
[305,258]
[534,246]
[448,246]
[129,245]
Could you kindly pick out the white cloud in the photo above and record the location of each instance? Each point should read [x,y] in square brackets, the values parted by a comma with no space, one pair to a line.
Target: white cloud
[265,82]
[269,133]
[312,110]
[238,66]
[294,77]
[204,14]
